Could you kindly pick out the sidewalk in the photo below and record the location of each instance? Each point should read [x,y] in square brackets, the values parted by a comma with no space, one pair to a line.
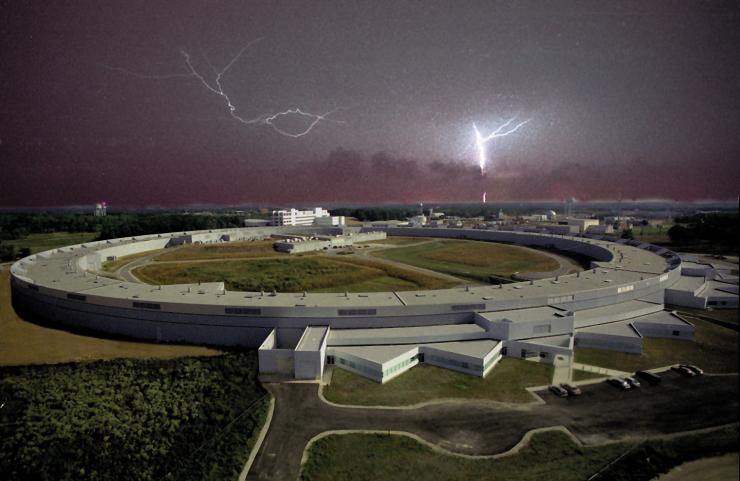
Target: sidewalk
[600,370]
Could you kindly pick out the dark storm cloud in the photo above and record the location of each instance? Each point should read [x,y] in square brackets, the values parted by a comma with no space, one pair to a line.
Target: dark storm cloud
[630,99]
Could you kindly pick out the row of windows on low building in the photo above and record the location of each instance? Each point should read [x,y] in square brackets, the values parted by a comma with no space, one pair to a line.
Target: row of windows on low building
[401,365]
[455,363]
[360,367]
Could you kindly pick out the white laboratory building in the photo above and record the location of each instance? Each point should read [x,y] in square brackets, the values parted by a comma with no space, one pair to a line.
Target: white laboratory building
[315,216]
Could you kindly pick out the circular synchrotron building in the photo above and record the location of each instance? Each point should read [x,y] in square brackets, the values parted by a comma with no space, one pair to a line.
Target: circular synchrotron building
[612,305]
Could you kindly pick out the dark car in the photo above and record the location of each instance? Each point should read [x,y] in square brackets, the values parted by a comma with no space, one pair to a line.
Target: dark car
[559,391]
[650,377]
[684,371]
[632,382]
[696,370]
[571,389]
[617,382]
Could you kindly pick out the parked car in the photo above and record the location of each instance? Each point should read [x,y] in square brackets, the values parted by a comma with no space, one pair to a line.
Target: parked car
[617,382]
[632,381]
[683,371]
[650,377]
[559,391]
[696,370]
[572,390]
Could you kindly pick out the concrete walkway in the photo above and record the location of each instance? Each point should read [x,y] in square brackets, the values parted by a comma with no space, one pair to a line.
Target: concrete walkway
[600,370]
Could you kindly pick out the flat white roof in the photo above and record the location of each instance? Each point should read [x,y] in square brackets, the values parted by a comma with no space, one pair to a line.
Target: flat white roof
[376,354]
[529,314]
[400,333]
[619,328]
[312,338]
[661,317]
[479,349]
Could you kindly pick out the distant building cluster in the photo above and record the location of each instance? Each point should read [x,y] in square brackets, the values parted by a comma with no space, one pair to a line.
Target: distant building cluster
[100,210]
[294,217]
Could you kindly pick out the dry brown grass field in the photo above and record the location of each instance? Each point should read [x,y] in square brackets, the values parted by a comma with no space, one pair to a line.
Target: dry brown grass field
[23,342]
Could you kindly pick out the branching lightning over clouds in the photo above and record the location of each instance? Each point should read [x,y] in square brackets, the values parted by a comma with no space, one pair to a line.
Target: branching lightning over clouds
[481,140]
[217,88]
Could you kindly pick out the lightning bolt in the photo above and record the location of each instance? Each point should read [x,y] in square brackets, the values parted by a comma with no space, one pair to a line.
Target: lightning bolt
[214,86]
[502,131]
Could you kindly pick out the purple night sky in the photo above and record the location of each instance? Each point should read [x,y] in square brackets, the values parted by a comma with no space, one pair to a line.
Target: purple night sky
[624,100]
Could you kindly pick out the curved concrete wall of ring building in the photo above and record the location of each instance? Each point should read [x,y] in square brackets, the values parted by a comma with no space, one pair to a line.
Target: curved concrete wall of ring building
[56,287]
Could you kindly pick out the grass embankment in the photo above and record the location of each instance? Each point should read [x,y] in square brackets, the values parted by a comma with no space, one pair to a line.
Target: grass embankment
[398,240]
[505,383]
[293,274]
[23,342]
[474,260]
[45,242]
[549,456]
[724,315]
[229,250]
[193,418]
[113,266]
[715,349]
[579,375]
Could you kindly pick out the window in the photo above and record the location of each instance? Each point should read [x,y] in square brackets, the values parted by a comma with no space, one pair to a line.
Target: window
[146,305]
[543,354]
[712,303]
[356,312]
[253,311]
[468,307]
[676,333]
[503,351]
[330,360]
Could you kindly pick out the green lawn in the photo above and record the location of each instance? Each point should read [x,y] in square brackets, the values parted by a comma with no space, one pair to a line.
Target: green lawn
[193,418]
[652,234]
[473,260]
[505,383]
[715,349]
[293,274]
[549,456]
[222,251]
[45,242]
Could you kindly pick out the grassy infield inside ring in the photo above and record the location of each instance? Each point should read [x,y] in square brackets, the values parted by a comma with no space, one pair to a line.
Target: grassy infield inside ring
[256,267]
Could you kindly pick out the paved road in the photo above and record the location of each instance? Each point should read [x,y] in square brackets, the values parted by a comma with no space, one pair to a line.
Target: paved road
[602,413]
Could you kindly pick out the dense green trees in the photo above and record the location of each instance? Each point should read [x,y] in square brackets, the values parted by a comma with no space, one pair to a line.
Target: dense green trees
[721,230]
[114,420]
[19,225]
